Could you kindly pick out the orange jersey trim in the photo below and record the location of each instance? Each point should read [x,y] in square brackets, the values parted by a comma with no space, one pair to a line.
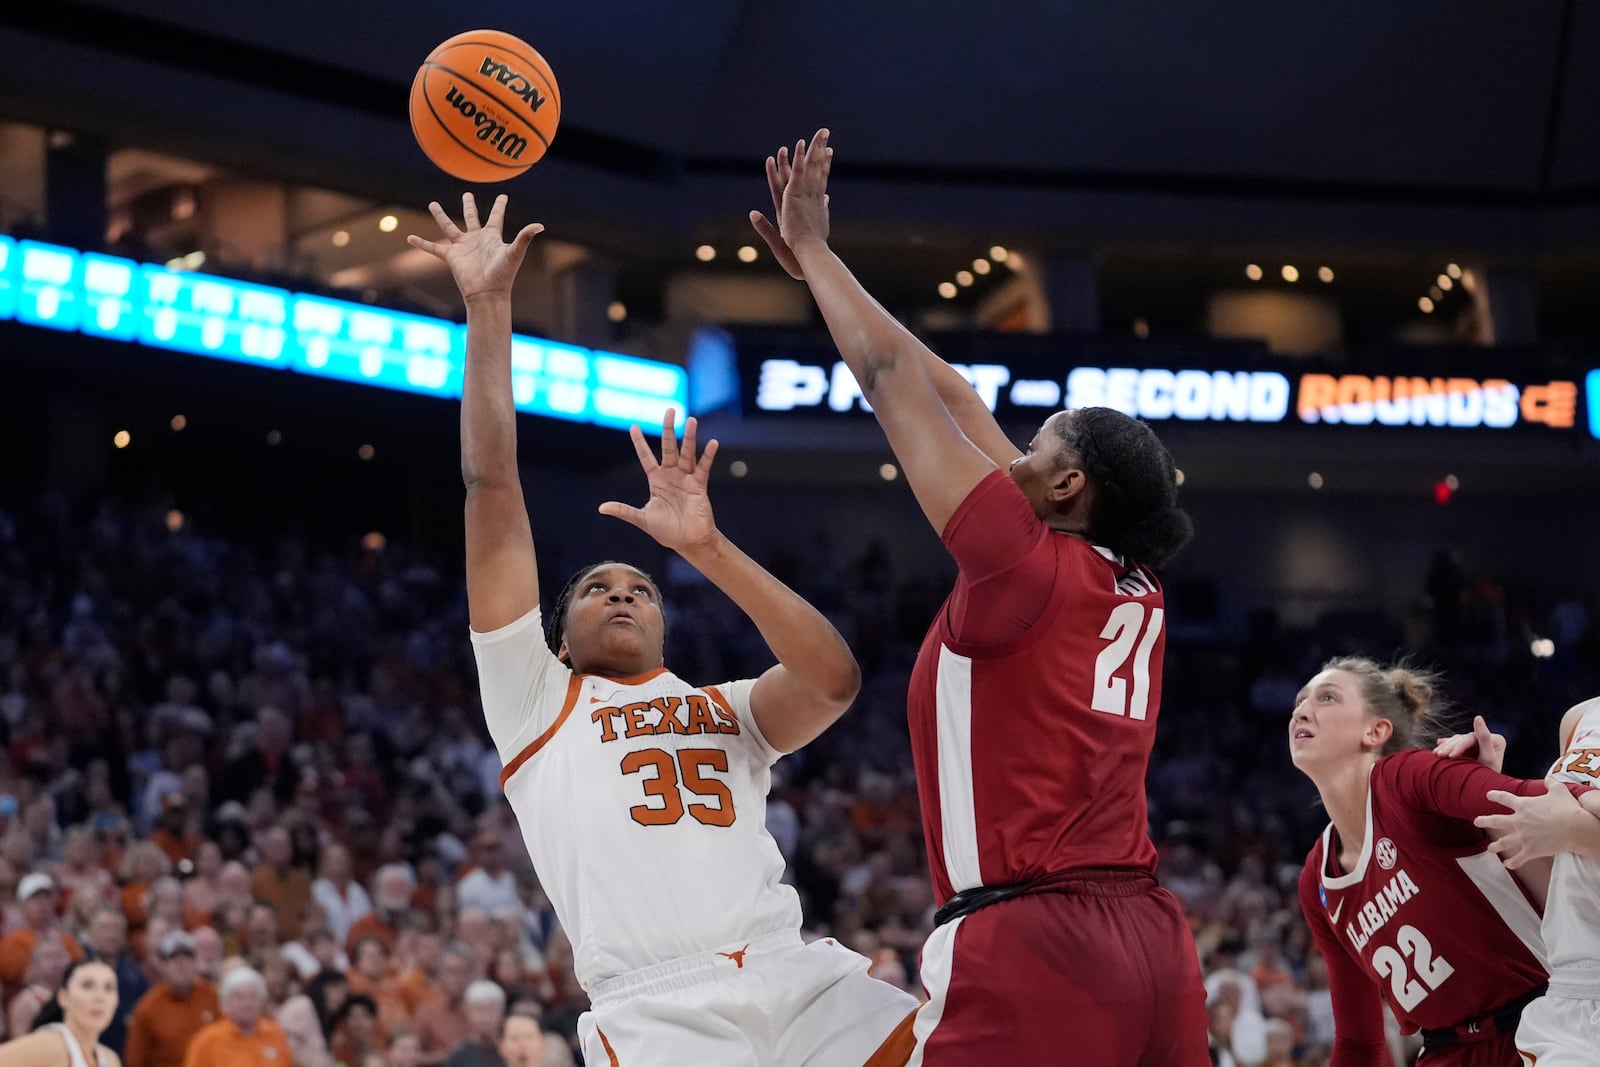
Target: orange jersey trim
[716,694]
[574,687]
[610,1052]
[897,1048]
[632,679]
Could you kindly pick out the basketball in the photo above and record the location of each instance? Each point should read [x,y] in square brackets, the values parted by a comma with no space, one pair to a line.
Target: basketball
[485,106]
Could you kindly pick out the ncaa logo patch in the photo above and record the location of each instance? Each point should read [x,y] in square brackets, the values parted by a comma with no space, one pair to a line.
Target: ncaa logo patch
[1388,855]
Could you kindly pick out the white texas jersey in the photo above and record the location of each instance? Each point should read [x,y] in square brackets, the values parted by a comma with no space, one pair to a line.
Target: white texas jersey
[642,802]
[1572,911]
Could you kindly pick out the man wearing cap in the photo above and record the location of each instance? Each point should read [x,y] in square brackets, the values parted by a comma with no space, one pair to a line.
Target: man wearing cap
[36,894]
[168,1017]
[246,1036]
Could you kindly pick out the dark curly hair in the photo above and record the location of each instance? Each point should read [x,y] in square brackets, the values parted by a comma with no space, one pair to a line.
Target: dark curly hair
[1136,511]
[555,627]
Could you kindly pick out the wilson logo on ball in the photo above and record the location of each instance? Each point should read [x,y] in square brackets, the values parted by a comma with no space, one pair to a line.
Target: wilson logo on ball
[513,80]
[488,129]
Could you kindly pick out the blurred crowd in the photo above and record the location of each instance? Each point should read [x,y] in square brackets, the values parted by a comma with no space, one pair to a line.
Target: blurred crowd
[252,775]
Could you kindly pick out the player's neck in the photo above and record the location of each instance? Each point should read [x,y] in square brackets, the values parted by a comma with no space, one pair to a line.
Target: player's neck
[1344,795]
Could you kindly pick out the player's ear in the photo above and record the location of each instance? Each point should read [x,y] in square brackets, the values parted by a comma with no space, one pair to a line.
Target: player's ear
[563,654]
[1378,732]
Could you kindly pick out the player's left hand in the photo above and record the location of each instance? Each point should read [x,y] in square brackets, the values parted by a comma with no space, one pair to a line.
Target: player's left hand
[678,513]
[778,174]
[1488,747]
[803,212]
[1537,826]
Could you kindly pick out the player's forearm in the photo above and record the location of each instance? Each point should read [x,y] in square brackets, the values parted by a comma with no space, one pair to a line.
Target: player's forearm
[488,415]
[801,638]
[873,344]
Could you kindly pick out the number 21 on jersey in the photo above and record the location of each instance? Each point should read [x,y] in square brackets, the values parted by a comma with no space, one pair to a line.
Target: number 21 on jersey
[1132,632]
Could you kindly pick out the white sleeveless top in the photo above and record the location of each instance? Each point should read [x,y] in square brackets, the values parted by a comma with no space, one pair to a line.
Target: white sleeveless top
[1572,913]
[75,1051]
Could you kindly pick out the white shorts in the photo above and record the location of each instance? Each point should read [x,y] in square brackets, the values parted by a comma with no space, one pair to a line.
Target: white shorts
[1560,1032]
[776,1001]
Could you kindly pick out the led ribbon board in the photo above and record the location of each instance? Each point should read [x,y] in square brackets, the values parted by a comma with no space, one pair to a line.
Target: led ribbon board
[223,318]
[1021,390]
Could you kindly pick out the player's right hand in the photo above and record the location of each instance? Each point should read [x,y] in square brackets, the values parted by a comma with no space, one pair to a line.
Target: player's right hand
[1487,746]
[480,261]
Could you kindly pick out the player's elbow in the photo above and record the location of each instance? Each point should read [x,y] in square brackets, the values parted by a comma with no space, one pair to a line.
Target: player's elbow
[842,686]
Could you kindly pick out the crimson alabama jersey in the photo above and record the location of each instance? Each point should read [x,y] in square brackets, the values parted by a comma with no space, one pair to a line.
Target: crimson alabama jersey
[1428,918]
[1031,752]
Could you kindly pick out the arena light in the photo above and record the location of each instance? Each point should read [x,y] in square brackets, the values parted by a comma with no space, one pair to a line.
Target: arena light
[1325,274]
[1253,271]
[747,253]
[705,253]
[1290,273]
[981,266]
[1542,648]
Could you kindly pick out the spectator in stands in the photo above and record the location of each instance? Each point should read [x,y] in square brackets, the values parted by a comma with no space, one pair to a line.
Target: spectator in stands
[46,969]
[142,866]
[246,1036]
[371,975]
[405,1049]
[286,889]
[175,1009]
[37,899]
[342,899]
[356,1033]
[392,888]
[521,1041]
[203,891]
[208,954]
[489,886]
[175,833]
[108,943]
[486,1012]
[442,1024]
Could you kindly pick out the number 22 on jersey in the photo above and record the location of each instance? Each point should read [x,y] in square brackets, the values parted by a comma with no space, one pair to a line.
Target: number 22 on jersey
[687,766]
[1132,633]
[1431,970]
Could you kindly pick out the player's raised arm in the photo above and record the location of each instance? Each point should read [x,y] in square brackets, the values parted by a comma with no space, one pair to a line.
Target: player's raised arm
[816,676]
[971,414]
[502,574]
[941,463]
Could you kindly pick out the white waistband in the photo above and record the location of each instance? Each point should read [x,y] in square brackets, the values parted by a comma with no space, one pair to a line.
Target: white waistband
[686,971]
[1580,986]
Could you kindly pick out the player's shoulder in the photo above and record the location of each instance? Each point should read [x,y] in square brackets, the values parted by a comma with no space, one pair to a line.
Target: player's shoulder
[1587,712]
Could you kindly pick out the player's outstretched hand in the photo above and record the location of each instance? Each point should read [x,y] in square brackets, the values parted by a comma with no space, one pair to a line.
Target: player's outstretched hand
[1537,826]
[678,513]
[1487,746]
[803,209]
[479,258]
[778,174]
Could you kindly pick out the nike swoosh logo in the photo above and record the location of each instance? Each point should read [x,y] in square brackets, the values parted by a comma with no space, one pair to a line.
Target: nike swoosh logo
[1337,908]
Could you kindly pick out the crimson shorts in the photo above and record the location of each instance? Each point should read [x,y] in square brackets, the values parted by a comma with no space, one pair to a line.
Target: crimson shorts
[1104,974]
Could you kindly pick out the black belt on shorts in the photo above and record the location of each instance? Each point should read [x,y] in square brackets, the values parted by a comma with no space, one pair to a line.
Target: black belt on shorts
[1078,881]
[1502,1020]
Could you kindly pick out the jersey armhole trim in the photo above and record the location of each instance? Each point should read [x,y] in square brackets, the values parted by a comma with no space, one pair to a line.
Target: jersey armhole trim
[755,728]
[574,687]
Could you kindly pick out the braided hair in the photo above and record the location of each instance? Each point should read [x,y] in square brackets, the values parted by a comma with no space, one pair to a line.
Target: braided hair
[555,627]
[1136,510]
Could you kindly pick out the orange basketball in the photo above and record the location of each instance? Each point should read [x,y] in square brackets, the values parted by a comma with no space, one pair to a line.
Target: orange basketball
[485,106]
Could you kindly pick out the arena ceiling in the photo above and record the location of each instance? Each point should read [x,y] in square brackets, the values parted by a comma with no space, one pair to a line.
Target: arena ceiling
[1362,122]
